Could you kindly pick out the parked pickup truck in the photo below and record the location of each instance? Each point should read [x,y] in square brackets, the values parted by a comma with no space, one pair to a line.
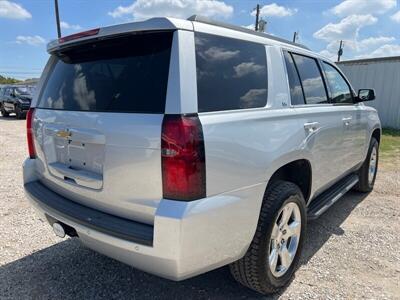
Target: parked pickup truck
[179,146]
[15,99]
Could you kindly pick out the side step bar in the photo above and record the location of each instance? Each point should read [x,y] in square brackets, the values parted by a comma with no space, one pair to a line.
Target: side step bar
[320,204]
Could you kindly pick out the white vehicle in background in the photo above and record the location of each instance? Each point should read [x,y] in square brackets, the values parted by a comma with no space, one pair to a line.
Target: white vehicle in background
[179,146]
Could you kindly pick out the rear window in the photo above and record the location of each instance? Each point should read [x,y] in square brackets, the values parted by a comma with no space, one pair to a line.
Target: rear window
[128,74]
[231,73]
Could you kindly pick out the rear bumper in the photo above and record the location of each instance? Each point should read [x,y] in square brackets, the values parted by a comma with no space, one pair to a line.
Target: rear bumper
[187,238]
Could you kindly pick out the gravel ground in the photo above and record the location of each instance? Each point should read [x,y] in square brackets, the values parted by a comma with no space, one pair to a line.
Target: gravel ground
[352,251]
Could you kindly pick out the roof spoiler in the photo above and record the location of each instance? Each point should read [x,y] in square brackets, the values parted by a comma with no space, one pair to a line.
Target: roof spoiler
[118,30]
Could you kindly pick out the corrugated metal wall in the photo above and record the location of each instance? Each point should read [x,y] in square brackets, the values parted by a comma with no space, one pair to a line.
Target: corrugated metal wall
[383,75]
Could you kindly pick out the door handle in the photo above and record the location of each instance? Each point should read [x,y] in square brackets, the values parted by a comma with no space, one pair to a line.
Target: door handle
[311,126]
[347,121]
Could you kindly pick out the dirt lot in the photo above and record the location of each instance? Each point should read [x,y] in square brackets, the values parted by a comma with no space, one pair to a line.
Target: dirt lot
[353,251]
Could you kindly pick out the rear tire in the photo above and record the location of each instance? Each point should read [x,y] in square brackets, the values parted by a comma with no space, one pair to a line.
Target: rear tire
[368,170]
[257,269]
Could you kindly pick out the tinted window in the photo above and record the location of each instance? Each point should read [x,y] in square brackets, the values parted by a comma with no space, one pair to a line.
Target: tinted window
[340,90]
[310,75]
[127,74]
[231,74]
[296,91]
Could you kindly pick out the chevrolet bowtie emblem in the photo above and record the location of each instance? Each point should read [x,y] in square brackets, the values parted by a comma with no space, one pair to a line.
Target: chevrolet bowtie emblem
[64,134]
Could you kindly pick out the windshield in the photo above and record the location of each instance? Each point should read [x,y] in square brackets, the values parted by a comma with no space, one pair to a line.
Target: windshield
[128,74]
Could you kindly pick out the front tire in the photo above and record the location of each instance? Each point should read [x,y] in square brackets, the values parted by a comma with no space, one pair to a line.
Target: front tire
[18,112]
[368,170]
[3,111]
[274,253]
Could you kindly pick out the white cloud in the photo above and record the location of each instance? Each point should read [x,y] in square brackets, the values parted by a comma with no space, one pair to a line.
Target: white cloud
[66,25]
[347,28]
[374,41]
[351,7]
[396,17]
[254,96]
[11,10]
[34,40]
[143,9]
[219,54]
[247,68]
[328,54]
[357,48]
[383,51]
[251,26]
[275,10]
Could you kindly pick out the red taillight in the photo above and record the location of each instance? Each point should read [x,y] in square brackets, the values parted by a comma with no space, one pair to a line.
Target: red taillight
[78,35]
[183,158]
[29,132]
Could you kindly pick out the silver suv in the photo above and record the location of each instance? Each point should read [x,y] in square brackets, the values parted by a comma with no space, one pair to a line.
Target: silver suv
[179,146]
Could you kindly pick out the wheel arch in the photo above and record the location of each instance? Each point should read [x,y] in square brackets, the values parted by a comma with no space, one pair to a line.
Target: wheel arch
[376,133]
[298,172]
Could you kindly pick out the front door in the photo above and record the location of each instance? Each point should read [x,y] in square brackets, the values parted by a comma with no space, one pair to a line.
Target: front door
[353,117]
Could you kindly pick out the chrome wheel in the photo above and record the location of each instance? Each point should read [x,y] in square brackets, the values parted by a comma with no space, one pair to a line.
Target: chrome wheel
[372,165]
[285,239]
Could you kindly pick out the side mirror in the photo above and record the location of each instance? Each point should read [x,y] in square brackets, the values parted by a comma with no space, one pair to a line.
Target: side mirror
[12,95]
[365,95]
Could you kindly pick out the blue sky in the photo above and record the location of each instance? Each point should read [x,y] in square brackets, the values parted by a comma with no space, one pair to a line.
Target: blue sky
[368,27]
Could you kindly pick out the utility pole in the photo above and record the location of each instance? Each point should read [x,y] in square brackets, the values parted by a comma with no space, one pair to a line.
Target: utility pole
[257,17]
[57,18]
[295,35]
[340,51]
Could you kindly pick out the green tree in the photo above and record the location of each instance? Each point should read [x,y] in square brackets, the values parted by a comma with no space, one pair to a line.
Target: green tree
[8,80]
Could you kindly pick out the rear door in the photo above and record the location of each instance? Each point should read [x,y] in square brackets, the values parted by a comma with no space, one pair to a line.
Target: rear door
[322,123]
[98,123]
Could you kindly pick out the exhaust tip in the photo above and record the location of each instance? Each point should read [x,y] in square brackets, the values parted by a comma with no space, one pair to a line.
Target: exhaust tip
[59,230]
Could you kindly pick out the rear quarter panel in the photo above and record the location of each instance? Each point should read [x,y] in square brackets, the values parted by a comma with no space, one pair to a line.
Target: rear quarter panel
[245,148]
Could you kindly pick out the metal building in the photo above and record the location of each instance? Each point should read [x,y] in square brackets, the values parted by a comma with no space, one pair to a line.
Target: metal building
[383,75]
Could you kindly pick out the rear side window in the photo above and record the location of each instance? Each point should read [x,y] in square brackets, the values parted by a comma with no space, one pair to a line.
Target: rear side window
[231,74]
[128,74]
[311,79]
[296,90]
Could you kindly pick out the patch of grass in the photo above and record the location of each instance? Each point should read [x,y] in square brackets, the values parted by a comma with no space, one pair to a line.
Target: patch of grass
[391,131]
[389,148]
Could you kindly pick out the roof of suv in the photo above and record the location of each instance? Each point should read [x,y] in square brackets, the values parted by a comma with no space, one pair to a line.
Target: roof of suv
[162,23]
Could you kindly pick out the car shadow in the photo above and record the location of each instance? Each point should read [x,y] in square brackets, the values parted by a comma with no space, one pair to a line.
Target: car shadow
[11,117]
[68,270]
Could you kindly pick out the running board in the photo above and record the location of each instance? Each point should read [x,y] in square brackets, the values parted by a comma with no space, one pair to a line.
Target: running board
[320,204]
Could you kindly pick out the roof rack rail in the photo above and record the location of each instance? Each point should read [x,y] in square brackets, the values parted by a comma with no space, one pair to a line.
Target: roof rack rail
[205,20]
